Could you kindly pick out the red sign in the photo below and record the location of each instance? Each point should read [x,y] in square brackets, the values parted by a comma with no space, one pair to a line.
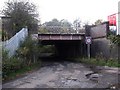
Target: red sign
[112,20]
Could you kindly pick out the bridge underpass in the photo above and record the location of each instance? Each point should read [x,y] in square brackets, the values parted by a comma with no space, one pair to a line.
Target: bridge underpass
[67,45]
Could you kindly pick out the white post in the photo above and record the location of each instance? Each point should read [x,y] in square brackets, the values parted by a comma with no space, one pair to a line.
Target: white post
[88,50]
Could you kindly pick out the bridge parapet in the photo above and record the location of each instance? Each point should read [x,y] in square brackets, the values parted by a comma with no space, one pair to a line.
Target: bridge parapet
[79,36]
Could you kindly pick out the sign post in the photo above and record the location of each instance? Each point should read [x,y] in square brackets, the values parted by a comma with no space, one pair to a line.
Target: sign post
[88,42]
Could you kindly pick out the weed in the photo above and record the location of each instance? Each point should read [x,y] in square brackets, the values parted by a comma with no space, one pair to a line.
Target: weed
[100,61]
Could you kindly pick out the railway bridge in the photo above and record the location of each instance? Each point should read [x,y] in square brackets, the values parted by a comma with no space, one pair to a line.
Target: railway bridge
[67,45]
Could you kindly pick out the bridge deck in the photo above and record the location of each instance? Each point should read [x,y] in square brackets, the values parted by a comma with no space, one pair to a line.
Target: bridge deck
[79,36]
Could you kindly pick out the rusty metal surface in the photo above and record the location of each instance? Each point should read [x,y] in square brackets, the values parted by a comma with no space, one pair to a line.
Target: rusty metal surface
[61,36]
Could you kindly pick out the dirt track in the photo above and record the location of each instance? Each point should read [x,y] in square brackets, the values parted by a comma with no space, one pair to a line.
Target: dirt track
[67,75]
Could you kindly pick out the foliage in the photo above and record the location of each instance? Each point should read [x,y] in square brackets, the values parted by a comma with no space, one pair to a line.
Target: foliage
[99,61]
[115,39]
[5,35]
[47,49]
[22,13]
[77,25]
[29,51]
[66,26]
[9,74]
[26,57]
[54,22]
[56,26]
[61,26]
[99,21]
[9,65]
[43,30]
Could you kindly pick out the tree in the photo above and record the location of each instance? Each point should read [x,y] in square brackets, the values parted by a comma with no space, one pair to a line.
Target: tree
[52,26]
[77,25]
[53,22]
[56,26]
[22,13]
[99,21]
[66,26]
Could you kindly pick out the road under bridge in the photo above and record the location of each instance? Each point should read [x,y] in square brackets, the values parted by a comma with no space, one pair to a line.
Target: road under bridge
[67,45]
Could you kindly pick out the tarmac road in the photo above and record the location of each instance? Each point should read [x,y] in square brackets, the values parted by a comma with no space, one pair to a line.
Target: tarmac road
[68,75]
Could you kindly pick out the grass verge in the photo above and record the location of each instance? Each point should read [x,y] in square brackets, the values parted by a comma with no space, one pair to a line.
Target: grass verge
[22,71]
[99,62]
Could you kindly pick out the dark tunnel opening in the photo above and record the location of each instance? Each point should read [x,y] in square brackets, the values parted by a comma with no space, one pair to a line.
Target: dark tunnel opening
[62,50]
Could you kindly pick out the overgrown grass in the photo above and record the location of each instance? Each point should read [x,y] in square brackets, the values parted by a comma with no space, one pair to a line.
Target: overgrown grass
[25,59]
[99,61]
[15,66]
[47,49]
[22,71]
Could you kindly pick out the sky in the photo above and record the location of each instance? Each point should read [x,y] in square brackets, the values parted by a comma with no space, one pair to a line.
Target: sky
[85,10]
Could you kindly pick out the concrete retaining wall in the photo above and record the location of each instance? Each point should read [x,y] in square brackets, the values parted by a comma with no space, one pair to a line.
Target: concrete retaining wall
[104,47]
[12,44]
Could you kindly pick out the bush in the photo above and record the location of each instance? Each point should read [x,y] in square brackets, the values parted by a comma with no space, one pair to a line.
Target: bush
[47,49]
[10,65]
[24,60]
[113,62]
[115,39]
[29,51]
[5,35]
[99,61]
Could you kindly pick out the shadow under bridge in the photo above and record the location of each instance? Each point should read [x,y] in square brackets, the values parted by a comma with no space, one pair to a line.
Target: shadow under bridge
[67,45]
